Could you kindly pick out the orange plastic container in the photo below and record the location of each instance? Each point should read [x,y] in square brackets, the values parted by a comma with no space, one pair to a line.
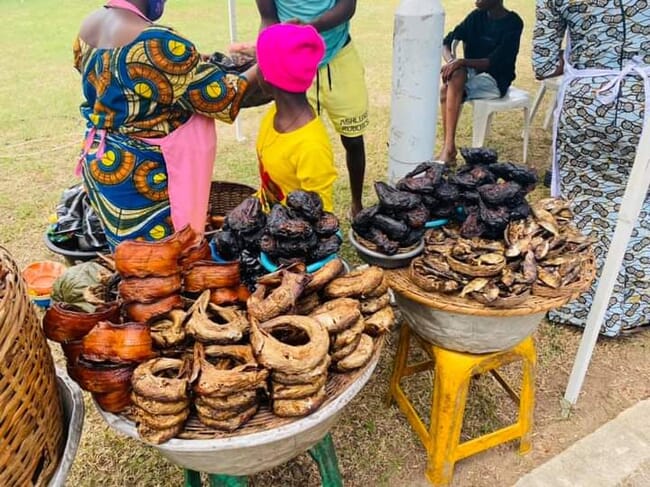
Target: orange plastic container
[40,276]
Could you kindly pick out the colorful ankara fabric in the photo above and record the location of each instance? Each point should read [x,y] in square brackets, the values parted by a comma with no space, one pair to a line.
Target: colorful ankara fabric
[147,88]
[597,137]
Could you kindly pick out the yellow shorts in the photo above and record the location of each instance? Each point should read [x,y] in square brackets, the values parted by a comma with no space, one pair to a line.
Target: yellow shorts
[340,90]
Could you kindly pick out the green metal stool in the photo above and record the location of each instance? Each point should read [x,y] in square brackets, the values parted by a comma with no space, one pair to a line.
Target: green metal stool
[323,453]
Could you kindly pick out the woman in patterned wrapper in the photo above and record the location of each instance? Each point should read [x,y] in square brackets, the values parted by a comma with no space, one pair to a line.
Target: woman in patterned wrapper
[600,116]
[150,104]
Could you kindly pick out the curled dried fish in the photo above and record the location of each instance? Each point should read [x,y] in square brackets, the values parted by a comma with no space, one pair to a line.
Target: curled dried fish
[359,357]
[168,330]
[280,300]
[380,322]
[291,359]
[473,286]
[546,220]
[208,322]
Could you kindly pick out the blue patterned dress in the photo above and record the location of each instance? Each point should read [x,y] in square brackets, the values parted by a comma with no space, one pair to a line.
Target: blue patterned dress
[597,138]
[146,88]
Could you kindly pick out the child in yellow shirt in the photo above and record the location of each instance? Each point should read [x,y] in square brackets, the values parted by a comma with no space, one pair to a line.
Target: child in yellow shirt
[293,148]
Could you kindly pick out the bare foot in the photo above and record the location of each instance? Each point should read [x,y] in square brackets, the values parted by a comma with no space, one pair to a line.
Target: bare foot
[355,208]
[448,156]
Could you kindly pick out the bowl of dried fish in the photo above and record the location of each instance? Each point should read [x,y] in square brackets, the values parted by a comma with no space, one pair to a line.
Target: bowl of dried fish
[269,439]
[480,295]
[374,257]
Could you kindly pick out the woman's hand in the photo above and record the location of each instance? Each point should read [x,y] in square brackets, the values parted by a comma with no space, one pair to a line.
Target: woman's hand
[245,48]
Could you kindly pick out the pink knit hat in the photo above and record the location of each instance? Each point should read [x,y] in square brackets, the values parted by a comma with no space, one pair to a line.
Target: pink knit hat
[288,55]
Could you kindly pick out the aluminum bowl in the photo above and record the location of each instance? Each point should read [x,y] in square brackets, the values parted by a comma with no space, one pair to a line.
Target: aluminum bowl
[383,260]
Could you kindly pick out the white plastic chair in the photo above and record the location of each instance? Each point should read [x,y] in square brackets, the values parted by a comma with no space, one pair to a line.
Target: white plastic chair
[552,85]
[514,99]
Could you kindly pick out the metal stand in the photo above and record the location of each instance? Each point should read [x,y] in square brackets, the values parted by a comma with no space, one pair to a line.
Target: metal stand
[323,453]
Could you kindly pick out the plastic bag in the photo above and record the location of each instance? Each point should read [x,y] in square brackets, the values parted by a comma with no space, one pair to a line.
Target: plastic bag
[76,219]
[255,96]
[71,286]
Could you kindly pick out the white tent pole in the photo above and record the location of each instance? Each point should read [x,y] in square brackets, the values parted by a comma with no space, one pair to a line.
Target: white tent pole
[631,204]
[417,52]
[232,18]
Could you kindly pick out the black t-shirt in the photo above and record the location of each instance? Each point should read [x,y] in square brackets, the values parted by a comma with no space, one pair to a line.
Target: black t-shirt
[496,40]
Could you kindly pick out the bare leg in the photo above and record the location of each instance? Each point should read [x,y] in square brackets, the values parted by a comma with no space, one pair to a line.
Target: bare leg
[453,104]
[355,157]
[443,116]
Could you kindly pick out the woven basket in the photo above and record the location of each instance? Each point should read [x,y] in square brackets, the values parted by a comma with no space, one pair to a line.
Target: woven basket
[268,440]
[401,283]
[225,196]
[264,419]
[31,418]
[587,274]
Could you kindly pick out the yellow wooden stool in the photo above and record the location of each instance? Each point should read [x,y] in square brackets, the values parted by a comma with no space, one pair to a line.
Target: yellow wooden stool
[452,374]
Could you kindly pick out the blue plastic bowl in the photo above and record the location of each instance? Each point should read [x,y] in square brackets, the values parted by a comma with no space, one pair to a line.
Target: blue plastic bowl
[215,253]
[443,221]
[436,223]
[313,267]
[266,262]
[41,301]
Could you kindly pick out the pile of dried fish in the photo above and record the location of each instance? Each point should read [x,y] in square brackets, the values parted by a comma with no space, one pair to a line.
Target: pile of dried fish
[348,306]
[102,351]
[151,274]
[396,222]
[227,386]
[301,231]
[161,401]
[226,361]
[239,239]
[298,232]
[489,193]
[543,254]
[359,310]
[294,348]
[336,320]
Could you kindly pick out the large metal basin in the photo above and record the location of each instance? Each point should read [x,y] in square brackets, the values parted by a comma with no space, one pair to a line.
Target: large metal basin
[73,415]
[467,333]
[255,452]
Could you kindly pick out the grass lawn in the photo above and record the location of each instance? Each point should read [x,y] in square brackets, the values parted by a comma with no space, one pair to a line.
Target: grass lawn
[40,133]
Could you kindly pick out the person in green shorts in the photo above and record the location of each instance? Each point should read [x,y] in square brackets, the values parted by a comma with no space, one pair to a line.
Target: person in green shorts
[339,88]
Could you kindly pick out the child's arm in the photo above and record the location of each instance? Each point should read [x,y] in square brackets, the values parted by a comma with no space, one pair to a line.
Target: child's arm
[341,12]
[268,12]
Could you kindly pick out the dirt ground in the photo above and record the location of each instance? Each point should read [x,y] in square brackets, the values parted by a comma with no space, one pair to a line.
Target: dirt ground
[376,446]
[617,379]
